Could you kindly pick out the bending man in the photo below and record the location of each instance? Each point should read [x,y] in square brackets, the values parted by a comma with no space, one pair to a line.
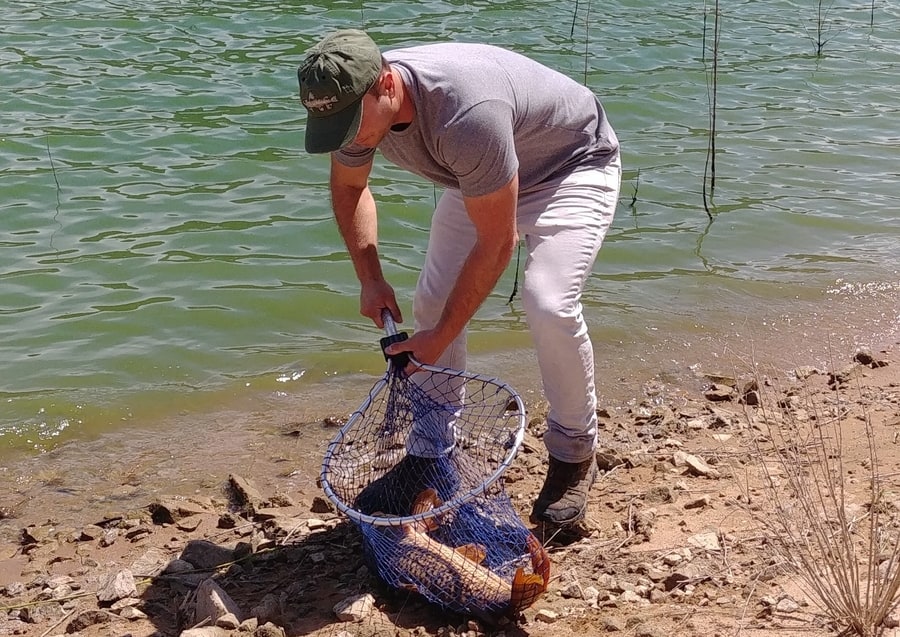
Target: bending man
[522,151]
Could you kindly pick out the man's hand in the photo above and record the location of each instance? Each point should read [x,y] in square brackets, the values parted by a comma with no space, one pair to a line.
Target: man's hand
[425,346]
[375,297]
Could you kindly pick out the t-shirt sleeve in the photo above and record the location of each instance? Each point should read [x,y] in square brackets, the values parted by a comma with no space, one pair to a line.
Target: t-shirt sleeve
[354,156]
[479,149]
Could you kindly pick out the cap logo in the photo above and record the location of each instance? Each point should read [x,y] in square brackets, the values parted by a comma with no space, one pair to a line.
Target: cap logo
[320,104]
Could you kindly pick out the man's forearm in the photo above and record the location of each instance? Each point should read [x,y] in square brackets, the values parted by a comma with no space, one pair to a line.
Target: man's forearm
[354,211]
[478,277]
[494,218]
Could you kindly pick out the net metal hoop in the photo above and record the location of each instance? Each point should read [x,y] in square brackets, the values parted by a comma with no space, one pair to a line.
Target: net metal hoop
[388,521]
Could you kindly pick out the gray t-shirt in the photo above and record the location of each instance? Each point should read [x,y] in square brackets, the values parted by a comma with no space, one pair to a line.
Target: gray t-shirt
[483,113]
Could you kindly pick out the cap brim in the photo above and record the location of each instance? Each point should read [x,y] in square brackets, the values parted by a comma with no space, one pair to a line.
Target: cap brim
[331,133]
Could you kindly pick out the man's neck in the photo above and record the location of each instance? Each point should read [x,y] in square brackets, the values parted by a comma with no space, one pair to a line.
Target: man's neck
[406,112]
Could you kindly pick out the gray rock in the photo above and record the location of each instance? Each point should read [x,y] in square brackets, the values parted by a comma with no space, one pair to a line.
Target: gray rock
[268,609]
[699,503]
[151,563]
[41,613]
[178,566]
[125,601]
[116,586]
[213,602]
[805,372]
[268,630]
[249,625]
[681,576]
[648,631]
[719,393]
[892,619]
[607,582]
[205,631]
[169,510]
[695,465]
[672,559]
[787,605]
[229,621]
[321,505]
[705,541]
[190,523]
[90,532]
[15,589]
[87,619]
[206,555]
[613,625]
[60,592]
[572,590]
[60,580]
[246,493]
[109,537]
[355,608]
[132,613]
[591,595]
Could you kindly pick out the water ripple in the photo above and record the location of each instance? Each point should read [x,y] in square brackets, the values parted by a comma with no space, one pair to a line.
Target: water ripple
[161,225]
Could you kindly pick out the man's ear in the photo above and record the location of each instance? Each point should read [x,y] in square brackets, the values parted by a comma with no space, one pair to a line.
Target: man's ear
[387,84]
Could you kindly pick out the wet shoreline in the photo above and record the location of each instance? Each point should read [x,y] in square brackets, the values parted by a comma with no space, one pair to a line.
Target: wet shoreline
[289,428]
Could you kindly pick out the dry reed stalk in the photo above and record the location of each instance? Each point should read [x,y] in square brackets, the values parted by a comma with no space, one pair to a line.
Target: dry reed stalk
[709,168]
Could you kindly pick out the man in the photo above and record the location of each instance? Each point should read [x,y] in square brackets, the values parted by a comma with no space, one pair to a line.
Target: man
[522,151]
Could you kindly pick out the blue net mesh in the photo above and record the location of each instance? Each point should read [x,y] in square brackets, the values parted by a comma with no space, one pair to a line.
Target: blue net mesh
[417,468]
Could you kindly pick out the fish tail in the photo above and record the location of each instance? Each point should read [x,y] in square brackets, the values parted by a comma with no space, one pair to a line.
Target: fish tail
[525,590]
[540,561]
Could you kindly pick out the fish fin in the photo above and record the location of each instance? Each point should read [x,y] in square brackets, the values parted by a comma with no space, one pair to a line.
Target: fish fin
[474,552]
[426,501]
[525,590]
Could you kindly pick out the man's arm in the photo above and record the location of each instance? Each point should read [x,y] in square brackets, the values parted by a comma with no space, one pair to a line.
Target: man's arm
[357,221]
[494,218]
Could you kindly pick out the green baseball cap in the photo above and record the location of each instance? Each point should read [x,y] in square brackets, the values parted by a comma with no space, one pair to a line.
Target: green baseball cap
[334,77]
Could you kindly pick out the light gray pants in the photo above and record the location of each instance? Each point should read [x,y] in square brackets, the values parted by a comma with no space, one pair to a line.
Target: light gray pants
[563,225]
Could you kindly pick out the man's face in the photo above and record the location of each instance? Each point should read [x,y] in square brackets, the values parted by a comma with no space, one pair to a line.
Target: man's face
[377,116]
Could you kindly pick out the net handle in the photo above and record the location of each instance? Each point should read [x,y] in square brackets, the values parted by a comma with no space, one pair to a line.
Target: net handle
[390,327]
[397,361]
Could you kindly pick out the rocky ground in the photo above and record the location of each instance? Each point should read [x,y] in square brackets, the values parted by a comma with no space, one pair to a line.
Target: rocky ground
[679,540]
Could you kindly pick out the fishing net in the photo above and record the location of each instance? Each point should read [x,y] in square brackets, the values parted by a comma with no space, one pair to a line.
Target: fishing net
[417,469]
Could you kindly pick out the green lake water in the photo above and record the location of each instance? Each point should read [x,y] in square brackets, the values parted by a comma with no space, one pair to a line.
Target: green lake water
[166,247]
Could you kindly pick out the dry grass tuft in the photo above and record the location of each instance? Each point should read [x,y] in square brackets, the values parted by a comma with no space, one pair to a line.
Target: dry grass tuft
[832,520]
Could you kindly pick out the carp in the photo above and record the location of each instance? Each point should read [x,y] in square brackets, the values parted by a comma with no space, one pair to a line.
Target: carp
[458,573]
